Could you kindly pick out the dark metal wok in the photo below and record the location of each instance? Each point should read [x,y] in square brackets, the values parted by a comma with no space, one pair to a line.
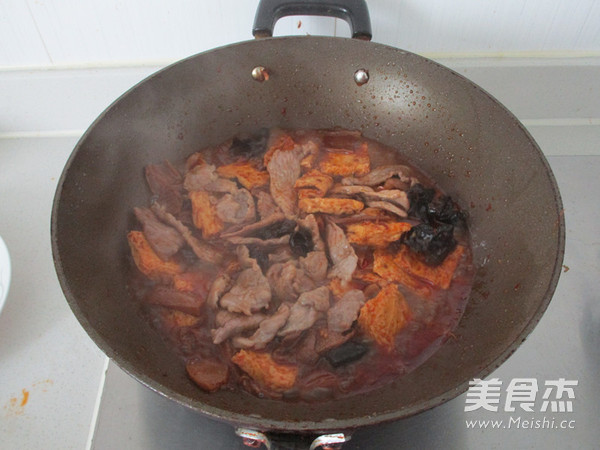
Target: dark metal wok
[477,151]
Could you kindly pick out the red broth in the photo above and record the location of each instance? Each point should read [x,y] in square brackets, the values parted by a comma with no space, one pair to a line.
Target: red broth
[300,264]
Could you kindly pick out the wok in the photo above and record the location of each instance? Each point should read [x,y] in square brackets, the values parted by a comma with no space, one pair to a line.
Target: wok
[457,133]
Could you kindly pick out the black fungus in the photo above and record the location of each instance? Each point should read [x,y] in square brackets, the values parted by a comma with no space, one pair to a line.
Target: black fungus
[346,353]
[444,210]
[275,230]
[252,147]
[424,205]
[433,244]
[420,197]
[301,242]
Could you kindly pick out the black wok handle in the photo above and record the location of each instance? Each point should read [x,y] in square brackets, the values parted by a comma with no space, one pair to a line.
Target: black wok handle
[355,12]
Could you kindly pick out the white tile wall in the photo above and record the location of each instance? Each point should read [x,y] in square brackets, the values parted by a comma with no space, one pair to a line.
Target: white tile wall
[59,32]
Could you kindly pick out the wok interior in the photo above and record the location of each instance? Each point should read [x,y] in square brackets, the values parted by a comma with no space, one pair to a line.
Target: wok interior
[445,125]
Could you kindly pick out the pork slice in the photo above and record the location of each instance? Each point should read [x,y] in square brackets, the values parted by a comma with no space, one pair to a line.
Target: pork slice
[170,298]
[301,318]
[394,196]
[315,265]
[281,278]
[230,324]
[350,190]
[317,298]
[205,178]
[344,312]
[267,330]
[251,292]
[387,206]
[341,253]
[219,286]
[236,207]
[164,240]
[284,169]
[202,250]
[242,240]
[166,183]
[306,311]
[280,255]
[266,206]
[380,175]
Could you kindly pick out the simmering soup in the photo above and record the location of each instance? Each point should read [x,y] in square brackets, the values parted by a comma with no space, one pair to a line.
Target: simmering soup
[299,264]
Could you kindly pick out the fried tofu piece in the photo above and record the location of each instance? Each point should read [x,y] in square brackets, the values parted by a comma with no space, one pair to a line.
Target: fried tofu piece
[314,181]
[204,214]
[346,163]
[382,317]
[376,234]
[440,276]
[194,282]
[209,374]
[386,266]
[148,262]
[265,371]
[246,173]
[337,206]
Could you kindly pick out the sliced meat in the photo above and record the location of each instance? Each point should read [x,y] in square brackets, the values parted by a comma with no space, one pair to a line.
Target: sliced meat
[231,324]
[209,374]
[344,312]
[219,286]
[204,177]
[395,196]
[388,207]
[281,277]
[166,183]
[284,170]
[266,206]
[380,175]
[164,240]
[341,253]
[243,255]
[241,240]
[237,207]
[315,265]
[171,298]
[251,292]
[202,250]
[280,255]
[267,330]
[301,318]
[350,190]
[317,298]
